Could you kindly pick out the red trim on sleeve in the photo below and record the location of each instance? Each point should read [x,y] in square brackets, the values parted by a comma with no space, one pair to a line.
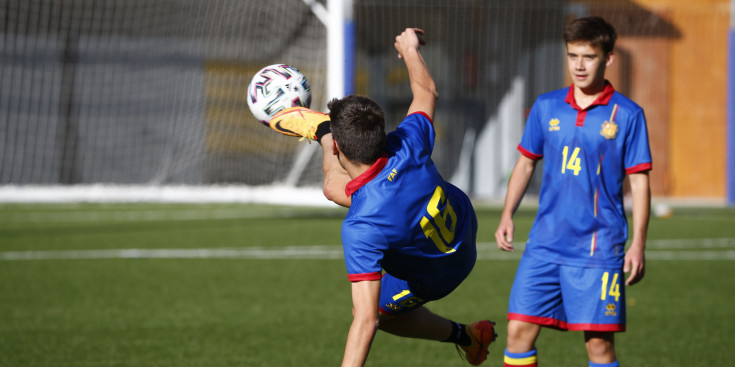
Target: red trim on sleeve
[423,114]
[364,276]
[528,154]
[639,168]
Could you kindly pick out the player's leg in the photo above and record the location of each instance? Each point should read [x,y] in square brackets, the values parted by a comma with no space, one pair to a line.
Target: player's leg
[314,125]
[535,301]
[403,314]
[473,339]
[300,122]
[521,344]
[594,299]
[419,323]
[402,311]
[600,348]
[522,336]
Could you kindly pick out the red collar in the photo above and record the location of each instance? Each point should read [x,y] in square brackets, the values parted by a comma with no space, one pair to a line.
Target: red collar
[366,176]
[603,99]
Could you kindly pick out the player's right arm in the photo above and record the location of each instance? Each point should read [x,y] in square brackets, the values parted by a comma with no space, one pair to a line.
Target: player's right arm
[365,296]
[423,86]
[517,185]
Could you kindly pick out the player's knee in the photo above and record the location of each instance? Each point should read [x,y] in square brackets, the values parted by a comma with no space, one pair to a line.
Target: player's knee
[521,336]
[601,347]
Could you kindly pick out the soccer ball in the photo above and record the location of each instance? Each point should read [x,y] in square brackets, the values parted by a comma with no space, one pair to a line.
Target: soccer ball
[277,87]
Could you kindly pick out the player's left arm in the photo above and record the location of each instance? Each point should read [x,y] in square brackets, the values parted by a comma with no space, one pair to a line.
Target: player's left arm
[335,177]
[423,86]
[365,295]
[635,259]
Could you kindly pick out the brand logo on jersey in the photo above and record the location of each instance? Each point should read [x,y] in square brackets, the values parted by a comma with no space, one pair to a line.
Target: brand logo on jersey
[610,128]
[392,175]
[610,310]
[554,125]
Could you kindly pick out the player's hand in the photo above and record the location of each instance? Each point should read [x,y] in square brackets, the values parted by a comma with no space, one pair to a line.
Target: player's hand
[504,234]
[635,264]
[408,39]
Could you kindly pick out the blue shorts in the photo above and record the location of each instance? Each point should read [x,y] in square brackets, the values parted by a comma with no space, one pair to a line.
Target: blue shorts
[398,296]
[568,297]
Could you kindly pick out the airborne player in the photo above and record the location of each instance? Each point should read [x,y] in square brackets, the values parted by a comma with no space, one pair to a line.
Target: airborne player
[409,236]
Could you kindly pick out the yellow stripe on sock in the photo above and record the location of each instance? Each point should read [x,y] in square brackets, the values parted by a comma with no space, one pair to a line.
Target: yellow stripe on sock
[520,361]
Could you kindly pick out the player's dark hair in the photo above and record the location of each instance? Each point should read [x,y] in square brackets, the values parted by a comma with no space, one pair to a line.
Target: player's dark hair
[358,127]
[594,30]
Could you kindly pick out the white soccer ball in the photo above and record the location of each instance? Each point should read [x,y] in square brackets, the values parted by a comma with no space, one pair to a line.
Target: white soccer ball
[277,87]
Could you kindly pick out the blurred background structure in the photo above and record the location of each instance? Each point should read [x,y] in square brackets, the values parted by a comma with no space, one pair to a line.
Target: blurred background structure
[140,93]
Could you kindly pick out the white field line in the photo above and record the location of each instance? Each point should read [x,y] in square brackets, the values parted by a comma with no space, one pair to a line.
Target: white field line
[691,243]
[272,194]
[294,252]
[701,249]
[146,215]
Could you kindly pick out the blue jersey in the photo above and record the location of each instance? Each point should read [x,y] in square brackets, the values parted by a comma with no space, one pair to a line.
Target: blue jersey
[405,219]
[587,153]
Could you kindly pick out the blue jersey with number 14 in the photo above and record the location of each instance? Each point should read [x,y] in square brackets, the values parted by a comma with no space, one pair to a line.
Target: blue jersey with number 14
[587,153]
[405,219]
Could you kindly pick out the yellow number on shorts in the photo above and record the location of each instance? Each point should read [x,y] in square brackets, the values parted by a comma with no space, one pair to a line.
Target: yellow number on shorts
[574,163]
[614,290]
[444,219]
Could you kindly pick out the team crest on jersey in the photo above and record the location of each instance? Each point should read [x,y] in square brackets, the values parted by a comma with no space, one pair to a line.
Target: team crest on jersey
[610,310]
[554,125]
[610,128]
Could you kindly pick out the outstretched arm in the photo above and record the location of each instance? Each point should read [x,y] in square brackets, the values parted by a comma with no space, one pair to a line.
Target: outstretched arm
[365,296]
[422,84]
[635,260]
[519,179]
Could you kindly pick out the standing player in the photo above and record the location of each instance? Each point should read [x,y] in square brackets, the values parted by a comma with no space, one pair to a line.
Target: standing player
[571,273]
[404,219]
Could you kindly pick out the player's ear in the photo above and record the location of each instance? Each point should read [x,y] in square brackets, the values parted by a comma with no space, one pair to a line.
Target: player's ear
[335,147]
[610,58]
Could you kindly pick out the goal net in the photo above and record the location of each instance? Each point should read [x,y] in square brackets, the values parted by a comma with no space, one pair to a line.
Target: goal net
[150,95]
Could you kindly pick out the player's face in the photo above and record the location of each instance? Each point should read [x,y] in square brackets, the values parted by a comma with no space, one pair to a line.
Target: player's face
[587,65]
